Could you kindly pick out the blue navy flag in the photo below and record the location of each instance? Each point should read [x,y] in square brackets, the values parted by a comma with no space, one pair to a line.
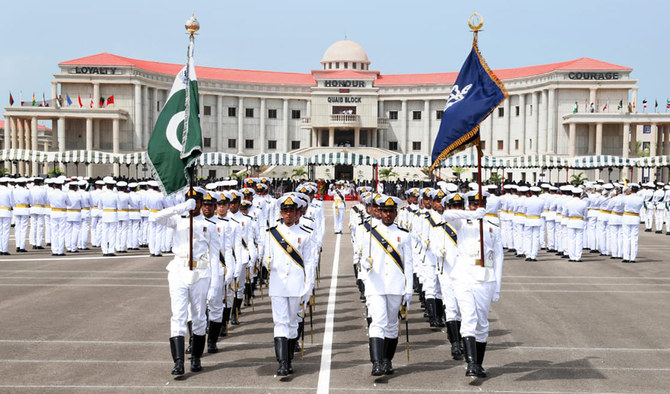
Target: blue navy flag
[475,94]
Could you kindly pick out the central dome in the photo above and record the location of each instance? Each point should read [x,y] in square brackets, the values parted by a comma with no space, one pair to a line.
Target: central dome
[345,54]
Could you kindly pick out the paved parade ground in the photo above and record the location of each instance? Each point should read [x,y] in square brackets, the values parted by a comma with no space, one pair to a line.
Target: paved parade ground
[84,323]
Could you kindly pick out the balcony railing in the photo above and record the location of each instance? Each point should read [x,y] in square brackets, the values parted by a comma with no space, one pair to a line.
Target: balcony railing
[344,120]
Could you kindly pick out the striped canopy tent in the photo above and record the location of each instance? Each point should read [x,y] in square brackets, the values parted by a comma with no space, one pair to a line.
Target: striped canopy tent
[348,158]
[467,161]
[132,158]
[537,161]
[654,161]
[277,159]
[16,154]
[408,160]
[73,156]
[221,159]
[599,161]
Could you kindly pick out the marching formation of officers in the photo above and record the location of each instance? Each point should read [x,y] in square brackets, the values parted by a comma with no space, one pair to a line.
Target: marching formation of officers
[241,239]
[430,246]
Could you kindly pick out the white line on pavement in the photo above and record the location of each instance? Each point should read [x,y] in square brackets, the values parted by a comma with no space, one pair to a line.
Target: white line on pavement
[78,277]
[74,285]
[326,353]
[586,291]
[68,258]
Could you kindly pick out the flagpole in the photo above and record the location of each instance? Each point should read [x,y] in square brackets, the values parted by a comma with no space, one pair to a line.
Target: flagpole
[192,26]
[475,31]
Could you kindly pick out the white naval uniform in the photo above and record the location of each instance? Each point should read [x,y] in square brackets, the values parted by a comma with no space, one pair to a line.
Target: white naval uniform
[144,214]
[96,214]
[386,282]
[614,226]
[58,200]
[134,215]
[576,211]
[155,203]
[188,288]
[123,221]
[476,287]
[85,219]
[631,225]
[6,204]
[534,207]
[549,212]
[659,208]
[109,204]
[73,221]
[648,195]
[233,241]
[21,198]
[218,295]
[38,201]
[601,225]
[290,282]
[592,219]
[338,209]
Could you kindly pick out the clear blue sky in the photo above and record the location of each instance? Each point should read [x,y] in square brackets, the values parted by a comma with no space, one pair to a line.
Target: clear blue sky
[399,36]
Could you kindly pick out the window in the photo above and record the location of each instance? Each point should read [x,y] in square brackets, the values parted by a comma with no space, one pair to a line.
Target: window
[295,114]
[353,65]
[249,112]
[272,114]
[207,110]
[346,64]
[500,145]
[416,145]
[232,143]
[158,106]
[337,64]
[295,145]
[517,110]
[249,144]
[232,111]
[438,114]
[212,174]
[516,144]
[501,112]
[645,146]
[330,65]
[393,115]
[482,145]
[646,129]
[531,110]
[416,115]
[393,145]
[272,144]
[207,142]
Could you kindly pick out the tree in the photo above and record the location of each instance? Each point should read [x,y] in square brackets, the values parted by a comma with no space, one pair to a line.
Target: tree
[639,151]
[577,179]
[495,178]
[239,175]
[458,171]
[385,174]
[298,172]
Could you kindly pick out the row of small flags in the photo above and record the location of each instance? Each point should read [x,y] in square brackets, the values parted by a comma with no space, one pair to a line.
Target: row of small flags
[631,106]
[59,101]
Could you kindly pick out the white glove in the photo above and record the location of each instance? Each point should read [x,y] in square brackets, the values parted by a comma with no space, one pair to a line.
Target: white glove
[480,212]
[307,293]
[187,205]
[496,297]
[406,300]
[306,297]
[365,263]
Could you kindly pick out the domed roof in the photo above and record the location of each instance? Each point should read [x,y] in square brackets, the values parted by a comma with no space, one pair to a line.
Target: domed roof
[345,51]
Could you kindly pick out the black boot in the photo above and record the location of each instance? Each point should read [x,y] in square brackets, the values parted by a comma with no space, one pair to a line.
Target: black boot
[481,350]
[296,343]
[235,315]
[440,313]
[422,296]
[177,350]
[471,356]
[390,344]
[293,347]
[455,340]
[369,320]
[376,356]
[214,331]
[247,294]
[196,353]
[190,336]
[361,288]
[281,351]
[431,308]
[226,319]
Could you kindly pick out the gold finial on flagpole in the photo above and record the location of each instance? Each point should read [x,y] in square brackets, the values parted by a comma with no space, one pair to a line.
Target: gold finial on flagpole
[192,25]
[475,21]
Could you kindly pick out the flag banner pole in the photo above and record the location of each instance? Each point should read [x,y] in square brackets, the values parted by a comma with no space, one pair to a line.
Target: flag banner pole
[190,230]
[481,199]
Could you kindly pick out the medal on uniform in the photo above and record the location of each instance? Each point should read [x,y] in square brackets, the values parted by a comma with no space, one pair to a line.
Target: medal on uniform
[289,249]
[389,248]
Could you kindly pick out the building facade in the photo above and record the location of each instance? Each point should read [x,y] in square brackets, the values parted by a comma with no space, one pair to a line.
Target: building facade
[573,108]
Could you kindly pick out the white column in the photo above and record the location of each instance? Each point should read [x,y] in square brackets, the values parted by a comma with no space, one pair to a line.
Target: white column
[219,124]
[381,113]
[522,115]
[508,128]
[240,125]
[551,121]
[331,137]
[263,115]
[89,133]
[654,139]
[666,139]
[8,132]
[33,142]
[61,134]
[625,149]
[599,143]
[534,130]
[402,117]
[542,124]
[15,133]
[571,140]
[96,95]
[284,126]
[425,148]
[22,136]
[592,99]
[147,127]
[357,136]
[115,143]
[137,135]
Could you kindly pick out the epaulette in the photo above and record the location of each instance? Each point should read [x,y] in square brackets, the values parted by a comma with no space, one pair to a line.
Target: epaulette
[305,228]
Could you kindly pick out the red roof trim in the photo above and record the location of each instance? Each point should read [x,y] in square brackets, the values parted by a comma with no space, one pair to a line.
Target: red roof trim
[39,126]
[285,78]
